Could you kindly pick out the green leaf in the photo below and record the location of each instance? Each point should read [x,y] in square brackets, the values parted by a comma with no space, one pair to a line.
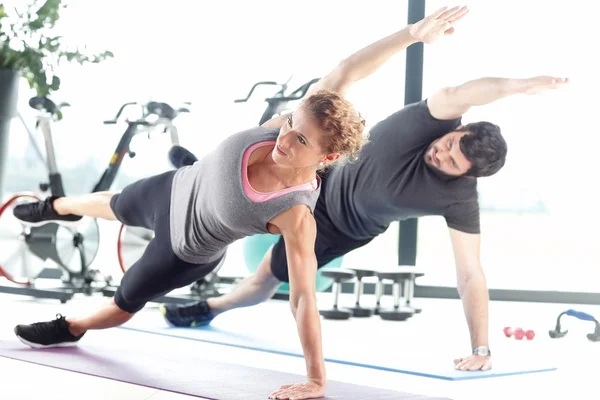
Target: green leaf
[55,83]
[38,51]
[47,15]
[36,24]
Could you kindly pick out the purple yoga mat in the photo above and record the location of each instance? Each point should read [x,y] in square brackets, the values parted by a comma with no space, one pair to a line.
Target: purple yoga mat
[173,369]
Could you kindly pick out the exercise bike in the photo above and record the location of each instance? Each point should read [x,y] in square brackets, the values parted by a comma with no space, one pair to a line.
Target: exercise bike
[25,250]
[133,241]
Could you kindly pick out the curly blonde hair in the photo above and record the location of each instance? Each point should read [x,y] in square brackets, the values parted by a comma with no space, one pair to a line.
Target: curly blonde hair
[342,125]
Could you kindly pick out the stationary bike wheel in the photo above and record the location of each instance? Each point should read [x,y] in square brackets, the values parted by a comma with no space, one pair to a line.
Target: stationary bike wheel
[17,263]
[72,241]
[131,244]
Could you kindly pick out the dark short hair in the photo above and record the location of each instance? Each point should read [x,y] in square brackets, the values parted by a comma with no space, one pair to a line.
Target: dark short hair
[484,147]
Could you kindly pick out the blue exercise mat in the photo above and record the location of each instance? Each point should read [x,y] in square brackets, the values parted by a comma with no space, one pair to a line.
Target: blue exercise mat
[241,329]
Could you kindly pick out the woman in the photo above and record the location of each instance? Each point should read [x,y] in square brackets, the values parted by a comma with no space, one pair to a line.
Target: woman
[257,181]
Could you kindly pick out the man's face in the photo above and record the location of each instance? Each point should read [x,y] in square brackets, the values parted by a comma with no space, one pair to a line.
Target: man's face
[444,155]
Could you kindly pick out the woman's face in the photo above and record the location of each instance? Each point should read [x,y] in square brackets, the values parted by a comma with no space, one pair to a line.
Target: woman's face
[299,144]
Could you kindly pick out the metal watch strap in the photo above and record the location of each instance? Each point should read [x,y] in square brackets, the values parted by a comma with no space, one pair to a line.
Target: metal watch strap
[482,351]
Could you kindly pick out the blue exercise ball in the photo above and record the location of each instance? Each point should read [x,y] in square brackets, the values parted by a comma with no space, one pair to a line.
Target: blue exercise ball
[255,247]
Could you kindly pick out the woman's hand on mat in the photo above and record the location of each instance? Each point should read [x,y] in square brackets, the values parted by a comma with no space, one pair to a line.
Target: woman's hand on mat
[299,391]
[473,363]
[439,24]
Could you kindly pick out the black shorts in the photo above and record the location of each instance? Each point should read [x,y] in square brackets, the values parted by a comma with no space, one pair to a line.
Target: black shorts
[146,203]
[330,242]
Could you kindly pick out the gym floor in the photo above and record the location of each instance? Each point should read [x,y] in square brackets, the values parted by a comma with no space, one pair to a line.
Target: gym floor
[439,329]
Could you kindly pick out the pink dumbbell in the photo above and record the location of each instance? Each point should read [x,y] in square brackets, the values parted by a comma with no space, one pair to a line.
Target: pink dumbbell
[519,333]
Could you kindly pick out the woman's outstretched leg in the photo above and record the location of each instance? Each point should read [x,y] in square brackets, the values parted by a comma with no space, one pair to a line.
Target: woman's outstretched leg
[96,205]
[136,205]
[145,279]
[66,209]
[108,316]
[62,332]
[157,272]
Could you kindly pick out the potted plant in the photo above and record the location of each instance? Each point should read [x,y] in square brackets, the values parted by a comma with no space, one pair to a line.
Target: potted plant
[30,49]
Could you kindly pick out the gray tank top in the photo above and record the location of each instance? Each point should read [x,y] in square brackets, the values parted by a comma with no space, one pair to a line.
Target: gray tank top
[209,208]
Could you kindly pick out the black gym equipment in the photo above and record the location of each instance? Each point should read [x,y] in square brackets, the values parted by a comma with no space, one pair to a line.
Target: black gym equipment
[558,333]
[71,247]
[358,310]
[338,275]
[402,281]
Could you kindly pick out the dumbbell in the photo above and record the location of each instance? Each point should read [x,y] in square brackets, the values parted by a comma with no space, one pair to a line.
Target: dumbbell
[338,275]
[409,286]
[398,312]
[379,291]
[519,333]
[358,310]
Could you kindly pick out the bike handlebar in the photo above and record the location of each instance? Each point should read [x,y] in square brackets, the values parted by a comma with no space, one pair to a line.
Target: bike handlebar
[160,109]
[121,109]
[283,87]
[297,94]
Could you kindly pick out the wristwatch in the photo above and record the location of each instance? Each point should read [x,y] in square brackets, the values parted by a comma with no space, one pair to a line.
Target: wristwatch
[483,351]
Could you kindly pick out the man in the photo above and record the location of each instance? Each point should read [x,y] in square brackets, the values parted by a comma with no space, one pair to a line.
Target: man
[420,161]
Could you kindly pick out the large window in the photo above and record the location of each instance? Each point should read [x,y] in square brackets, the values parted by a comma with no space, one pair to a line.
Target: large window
[539,214]
[185,50]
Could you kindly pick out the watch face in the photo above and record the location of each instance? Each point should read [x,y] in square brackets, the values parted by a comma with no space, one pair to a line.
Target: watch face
[481,351]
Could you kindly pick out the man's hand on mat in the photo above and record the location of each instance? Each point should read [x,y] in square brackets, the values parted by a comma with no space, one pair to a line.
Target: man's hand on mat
[473,363]
[299,391]
[440,23]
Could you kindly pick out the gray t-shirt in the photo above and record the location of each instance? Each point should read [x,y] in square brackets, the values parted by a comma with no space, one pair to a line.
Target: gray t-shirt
[391,181]
[209,208]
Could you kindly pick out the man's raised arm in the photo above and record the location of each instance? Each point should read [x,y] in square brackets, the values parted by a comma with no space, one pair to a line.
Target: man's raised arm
[452,102]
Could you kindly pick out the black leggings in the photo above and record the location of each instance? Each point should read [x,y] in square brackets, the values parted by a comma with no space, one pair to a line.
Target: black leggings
[146,203]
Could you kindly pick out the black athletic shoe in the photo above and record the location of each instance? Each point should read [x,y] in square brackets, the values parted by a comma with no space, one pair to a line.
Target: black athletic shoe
[47,334]
[190,315]
[180,156]
[41,212]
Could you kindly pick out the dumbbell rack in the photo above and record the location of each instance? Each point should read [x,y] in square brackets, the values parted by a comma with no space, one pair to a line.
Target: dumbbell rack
[402,279]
